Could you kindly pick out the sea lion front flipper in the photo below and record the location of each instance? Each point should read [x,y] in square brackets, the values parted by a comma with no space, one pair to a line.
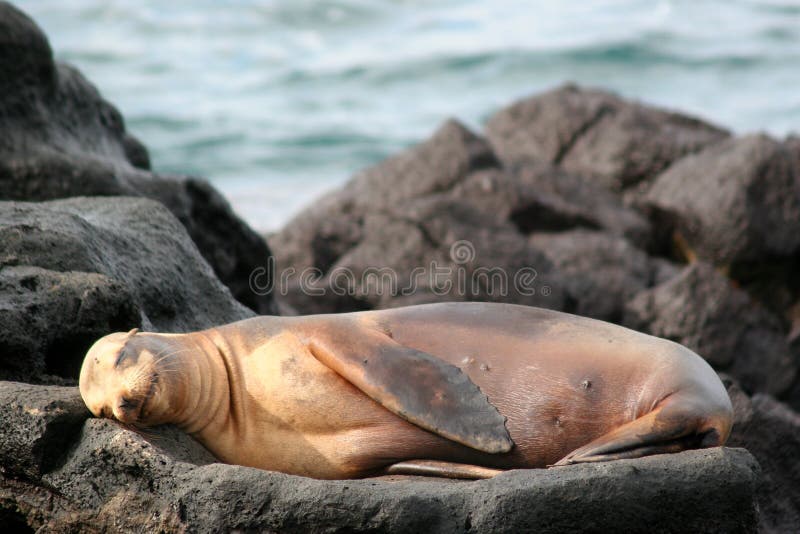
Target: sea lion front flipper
[421,388]
[432,468]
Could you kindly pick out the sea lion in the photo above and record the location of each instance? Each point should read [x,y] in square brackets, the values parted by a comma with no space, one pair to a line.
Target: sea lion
[458,389]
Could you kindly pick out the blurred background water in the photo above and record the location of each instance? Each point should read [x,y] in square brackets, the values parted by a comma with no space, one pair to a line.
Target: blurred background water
[276,101]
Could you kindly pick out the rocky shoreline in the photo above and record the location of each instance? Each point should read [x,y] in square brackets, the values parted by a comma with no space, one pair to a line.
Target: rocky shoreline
[626,213]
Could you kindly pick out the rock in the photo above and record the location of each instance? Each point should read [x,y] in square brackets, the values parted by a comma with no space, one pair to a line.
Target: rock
[428,250]
[398,222]
[519,501]
[546,199]
[77,269]
[44,426]
[59,138]
[319,235]
[596,134]
[771,432]
[427,168]
[702,310]
[737,201]
[601,272]
[405,214]
[737,205]
[49,318]
[773,282]
[40,423]
[113,478]
[792,398]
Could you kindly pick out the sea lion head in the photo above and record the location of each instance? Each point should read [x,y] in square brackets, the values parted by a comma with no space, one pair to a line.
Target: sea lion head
[127,377]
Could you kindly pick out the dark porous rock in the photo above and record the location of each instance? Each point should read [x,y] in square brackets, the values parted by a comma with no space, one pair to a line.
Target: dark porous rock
[772,281]
[601,272]
[707,491]
[737,201]
[59,138]
[702,310]
[792,398]
[597,134]
[76,269]
[319,235]
[546,199]
[407,213]
[48,318]
[429,250]
[770,430]
[430,167]
[39,424]
[106,477]
[47,430]
[379,241]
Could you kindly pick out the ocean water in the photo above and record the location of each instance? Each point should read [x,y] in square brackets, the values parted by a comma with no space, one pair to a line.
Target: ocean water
[276,101]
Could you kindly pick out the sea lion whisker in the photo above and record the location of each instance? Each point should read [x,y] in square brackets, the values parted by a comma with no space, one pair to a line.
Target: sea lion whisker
[139,429]
[144,431]
[163,357]
[141,371]
[164,350]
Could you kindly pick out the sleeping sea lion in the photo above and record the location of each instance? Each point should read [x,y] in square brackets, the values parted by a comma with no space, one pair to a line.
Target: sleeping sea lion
[459,389]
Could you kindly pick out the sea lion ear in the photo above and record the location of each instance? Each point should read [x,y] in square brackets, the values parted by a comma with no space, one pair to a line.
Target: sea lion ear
[132,332]
[417,386]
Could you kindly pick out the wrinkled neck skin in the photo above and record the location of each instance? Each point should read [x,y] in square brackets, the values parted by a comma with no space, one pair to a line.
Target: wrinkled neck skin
[198,392]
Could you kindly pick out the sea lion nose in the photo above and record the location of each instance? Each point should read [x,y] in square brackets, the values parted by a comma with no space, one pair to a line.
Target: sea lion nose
[107,411]
[124,409]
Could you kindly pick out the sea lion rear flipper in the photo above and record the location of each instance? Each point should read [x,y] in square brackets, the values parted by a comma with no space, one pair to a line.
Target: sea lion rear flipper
[677,424]
[432,468]
[421,388]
